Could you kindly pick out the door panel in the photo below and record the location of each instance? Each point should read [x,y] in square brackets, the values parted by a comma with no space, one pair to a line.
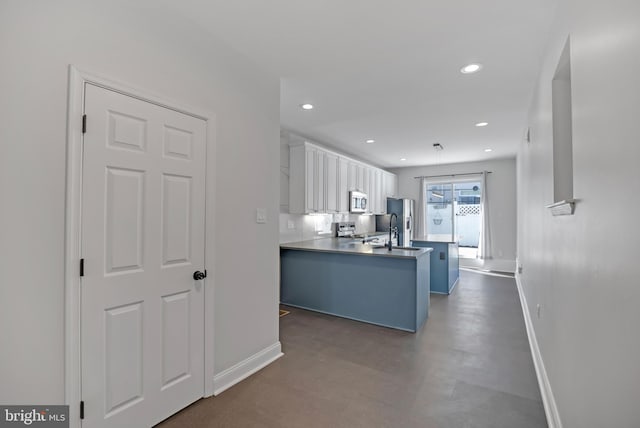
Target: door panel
[175,338]
[178,143]
[123,344]
[142,313]
[124,220]
[176,219]
[126,132]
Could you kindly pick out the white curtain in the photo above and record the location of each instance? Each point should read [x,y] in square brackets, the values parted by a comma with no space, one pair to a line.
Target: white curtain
[484,246]
[420,227]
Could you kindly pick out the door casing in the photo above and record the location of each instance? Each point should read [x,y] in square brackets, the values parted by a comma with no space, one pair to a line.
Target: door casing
[73,217]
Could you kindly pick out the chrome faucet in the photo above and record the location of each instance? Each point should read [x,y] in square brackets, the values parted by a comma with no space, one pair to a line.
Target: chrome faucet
[390,243]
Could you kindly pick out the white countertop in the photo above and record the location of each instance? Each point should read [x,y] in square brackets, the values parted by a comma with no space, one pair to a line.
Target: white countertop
[353,246]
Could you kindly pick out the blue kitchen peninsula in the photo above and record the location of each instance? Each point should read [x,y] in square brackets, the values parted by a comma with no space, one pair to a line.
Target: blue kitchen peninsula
[357,281]
[445,269]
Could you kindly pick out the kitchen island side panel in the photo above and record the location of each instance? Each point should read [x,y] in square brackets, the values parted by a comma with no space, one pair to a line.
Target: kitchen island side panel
[378,290]
[444,264]
[423,290]
[454,265]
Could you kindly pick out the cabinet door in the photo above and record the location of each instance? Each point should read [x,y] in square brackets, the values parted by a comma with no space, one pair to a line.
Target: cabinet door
[343,185]
[394,185]
[352,179]
[320,175]
[331,181]
[366,172]
[310,181]
[370,190]
[360,178]
[386,184]
[390,185]
[380,194]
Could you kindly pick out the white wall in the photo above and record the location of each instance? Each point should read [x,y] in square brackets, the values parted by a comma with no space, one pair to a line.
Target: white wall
[581,268]
[501,184]
[143,45]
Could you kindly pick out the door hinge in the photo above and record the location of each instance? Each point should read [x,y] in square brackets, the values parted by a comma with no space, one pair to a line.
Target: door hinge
[82,410]
[84,123]
[81,267]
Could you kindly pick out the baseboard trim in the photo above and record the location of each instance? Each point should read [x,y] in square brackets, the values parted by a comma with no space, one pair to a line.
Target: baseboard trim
[501,265]
[455,283]
[549,402]
[306,308]
[245,368]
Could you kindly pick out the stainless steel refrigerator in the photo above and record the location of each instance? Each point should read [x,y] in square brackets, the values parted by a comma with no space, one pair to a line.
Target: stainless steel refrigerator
[404,210]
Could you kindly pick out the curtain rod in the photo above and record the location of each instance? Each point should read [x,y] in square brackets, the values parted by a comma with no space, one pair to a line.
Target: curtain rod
[452,175]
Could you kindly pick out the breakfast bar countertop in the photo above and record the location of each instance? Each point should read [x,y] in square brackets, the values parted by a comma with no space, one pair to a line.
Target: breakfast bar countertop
[354,246]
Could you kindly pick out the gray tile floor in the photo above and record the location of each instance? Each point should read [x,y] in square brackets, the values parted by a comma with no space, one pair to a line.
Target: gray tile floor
[469,366]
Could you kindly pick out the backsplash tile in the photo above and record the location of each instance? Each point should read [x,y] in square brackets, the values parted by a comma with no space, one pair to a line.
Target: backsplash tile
[306,227]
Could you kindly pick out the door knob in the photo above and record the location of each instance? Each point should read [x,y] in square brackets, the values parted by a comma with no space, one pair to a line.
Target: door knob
[197,275]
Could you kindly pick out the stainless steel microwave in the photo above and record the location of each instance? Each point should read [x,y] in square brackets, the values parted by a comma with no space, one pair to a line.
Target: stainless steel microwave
[357,202]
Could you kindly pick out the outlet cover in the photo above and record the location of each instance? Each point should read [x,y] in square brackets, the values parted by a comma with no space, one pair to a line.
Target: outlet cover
[538,309]
[290,224]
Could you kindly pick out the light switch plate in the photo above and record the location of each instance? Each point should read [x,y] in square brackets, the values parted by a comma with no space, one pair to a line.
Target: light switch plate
[261,215]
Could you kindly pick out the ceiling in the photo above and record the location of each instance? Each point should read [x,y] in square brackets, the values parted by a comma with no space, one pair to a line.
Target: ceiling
[390,71]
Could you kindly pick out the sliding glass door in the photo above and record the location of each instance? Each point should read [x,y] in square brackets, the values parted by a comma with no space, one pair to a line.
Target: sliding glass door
[454,214]
[468,219]
[440,226]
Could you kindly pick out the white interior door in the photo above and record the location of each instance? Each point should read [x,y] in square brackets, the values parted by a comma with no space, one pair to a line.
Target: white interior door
[142,311]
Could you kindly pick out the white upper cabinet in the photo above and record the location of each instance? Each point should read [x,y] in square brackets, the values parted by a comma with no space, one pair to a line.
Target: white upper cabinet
[360,177]
[366,188]
[371,191]
[320,184]
[332,180]
[320,181]
[310,183]
[381,197]
[378,195]
[390,184]
[306,180]
[343,185]
[352,176]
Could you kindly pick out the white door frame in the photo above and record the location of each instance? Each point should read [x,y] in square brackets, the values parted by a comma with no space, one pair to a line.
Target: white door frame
[73,218]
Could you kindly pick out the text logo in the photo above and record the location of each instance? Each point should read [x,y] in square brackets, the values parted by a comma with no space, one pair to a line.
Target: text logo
[34,416]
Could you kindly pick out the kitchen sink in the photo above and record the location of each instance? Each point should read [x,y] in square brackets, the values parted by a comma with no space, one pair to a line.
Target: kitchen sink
[397,248]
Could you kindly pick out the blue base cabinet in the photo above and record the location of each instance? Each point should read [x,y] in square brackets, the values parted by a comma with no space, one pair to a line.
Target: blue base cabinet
[387,291]
[445,269]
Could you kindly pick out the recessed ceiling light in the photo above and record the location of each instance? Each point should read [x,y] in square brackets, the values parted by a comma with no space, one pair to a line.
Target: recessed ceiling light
[488,150]
[471,68]
[307,106]
[479,124]
[370,141]
[403,159]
